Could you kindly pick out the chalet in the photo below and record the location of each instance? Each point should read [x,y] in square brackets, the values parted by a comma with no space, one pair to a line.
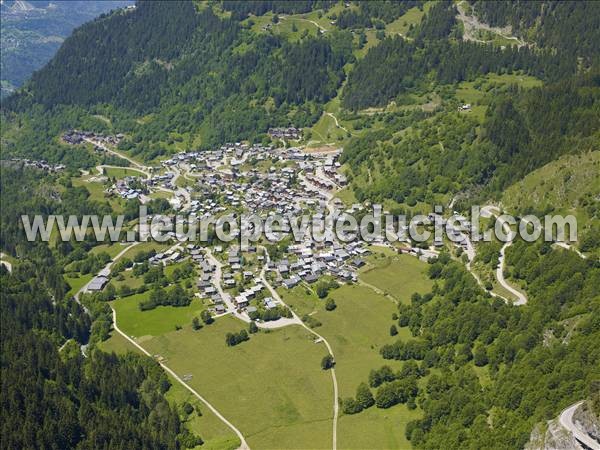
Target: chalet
[269,303]
[203,284]
[291,282]
[97,283]
[241,301]
[311,277]
[210,290]
[357,262]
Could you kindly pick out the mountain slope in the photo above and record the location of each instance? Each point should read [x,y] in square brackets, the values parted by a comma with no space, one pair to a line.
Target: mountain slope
[424,118]
[32,32]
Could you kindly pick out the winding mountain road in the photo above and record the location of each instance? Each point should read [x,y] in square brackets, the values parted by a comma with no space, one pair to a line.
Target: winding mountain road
[566,421]
[521,298]
[107,149]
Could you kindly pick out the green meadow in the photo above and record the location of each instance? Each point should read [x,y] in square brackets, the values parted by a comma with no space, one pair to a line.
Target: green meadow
[157,321]
[216,434]
[271,387]
[122,172]
[397,275]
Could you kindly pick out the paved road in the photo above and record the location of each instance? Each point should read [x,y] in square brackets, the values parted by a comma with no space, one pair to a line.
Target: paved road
[490,211]
[5,263]
[284,321]
[244,444]
[521,298]
[566,421]
[119,154]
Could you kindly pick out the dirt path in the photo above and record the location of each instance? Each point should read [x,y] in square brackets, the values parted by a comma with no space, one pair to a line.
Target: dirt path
[244,444]
[319,339]
[378,291]
[571,248]
[337,124]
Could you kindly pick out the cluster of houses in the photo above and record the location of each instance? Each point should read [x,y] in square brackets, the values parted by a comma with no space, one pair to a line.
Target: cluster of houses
[161,180]
[223,180]
[39,164]
[75,137]
[313,259]
[292,133]
[124,189]
[331,168]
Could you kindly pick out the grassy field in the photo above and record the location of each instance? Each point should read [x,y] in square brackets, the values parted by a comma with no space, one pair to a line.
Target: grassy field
[356,330]
[347,196]
[96,190]
[145,247]
[271,387]
[160,194]
[402,24]
[118,344]
[112,249]
[558,186]
[398,275]
[376,428]
[77,283]
[291,27]
[216,435]
[118,173]
[162,319]
[128,279]
[473,91]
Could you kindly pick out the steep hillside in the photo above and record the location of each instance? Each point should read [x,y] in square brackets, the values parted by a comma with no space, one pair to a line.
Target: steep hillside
[32,32]
[426,115]
[212,81]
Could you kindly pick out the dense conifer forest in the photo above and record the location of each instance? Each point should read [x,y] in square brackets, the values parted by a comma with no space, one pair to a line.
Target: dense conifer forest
[53,397]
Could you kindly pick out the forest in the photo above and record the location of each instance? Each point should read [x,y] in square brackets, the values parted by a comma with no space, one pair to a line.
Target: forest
[138,72]
[459,328]
[57,398]
[522,130]
[562,21]
[191,76]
